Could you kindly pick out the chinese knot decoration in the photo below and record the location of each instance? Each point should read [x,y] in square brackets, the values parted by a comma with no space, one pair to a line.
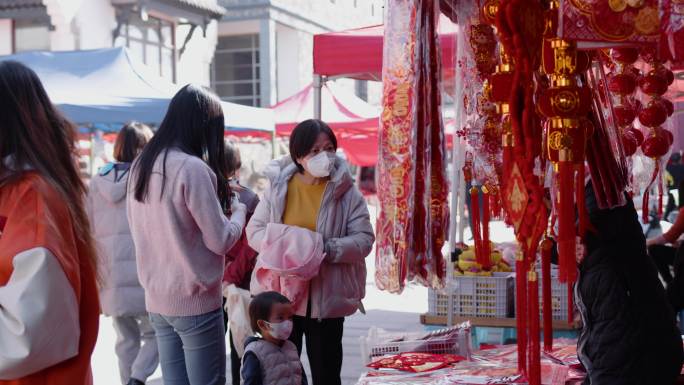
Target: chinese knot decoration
[565,105]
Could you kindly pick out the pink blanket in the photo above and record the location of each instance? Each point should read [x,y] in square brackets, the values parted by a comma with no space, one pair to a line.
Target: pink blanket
[290,257]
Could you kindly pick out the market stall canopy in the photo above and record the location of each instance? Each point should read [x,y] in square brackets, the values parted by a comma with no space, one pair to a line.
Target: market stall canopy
[109,86]
[357,53]
[342,110]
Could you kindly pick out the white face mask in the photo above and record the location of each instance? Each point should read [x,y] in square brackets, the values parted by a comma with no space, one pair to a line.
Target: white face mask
[321,164]
[280,330]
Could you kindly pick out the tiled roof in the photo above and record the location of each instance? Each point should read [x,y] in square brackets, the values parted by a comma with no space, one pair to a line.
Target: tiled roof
[205,5]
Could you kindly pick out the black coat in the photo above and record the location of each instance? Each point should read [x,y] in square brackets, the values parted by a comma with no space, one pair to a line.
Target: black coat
[629,334]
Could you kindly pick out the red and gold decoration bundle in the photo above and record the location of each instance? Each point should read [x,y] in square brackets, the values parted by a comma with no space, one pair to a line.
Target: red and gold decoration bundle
[412,184]
[554,94]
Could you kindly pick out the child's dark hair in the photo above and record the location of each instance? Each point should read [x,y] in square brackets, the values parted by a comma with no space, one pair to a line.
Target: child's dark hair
[260,307]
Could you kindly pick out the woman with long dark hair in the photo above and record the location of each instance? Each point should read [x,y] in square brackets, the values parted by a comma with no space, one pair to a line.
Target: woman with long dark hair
[177,205]
[49,308]
[121,295]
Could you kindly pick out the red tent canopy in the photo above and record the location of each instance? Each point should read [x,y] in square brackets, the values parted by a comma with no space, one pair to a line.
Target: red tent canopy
[357,53]
[362,149]
[342,110]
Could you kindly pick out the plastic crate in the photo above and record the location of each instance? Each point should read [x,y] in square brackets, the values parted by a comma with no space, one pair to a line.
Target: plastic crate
[379,343]
[559,297]
[485,297]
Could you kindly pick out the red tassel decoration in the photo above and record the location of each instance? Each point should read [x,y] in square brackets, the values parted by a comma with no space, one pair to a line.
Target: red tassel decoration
[660,196]
[546,247]
[566,223]
[534,367]
[581,207]
[475,214]
[521,311]
[485,246]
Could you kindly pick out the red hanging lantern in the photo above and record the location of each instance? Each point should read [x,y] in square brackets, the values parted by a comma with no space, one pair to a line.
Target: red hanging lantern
[654,114]
[654,83]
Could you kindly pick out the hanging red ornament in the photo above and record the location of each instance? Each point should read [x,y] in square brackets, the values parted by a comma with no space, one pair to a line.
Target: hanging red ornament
[649,54]
[629,143]
[638,135]
[656,145]
[653,83]
[654,114]
[624,55]
[622,83]
[624,114]
[669,106]
[666,73]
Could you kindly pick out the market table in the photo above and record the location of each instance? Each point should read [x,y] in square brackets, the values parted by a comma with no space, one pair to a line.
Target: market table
[429,319]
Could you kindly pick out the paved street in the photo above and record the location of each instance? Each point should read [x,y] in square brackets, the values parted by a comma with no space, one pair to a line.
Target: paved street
[384,310]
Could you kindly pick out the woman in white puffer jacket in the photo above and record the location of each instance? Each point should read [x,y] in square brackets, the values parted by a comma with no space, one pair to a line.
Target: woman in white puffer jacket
[121,295]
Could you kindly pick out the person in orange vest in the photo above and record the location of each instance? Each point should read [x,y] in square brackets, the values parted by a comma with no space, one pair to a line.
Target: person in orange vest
[49,310]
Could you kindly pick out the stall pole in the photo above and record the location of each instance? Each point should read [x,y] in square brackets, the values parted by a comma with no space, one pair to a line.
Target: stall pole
[456,216]
[318,82]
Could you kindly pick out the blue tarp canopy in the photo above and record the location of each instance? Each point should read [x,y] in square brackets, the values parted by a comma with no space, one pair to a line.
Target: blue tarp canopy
[108,87]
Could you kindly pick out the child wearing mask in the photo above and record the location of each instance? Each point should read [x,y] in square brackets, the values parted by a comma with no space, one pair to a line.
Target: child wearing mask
[271,358]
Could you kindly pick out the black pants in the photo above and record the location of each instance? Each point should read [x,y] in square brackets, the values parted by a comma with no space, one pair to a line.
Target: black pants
[663,257]
[235,362]
[323,347]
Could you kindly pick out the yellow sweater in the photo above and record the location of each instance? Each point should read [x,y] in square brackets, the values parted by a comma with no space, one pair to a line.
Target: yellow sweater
[303,203]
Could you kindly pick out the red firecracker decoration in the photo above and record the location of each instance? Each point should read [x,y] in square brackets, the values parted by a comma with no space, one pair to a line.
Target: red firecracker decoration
[654,115]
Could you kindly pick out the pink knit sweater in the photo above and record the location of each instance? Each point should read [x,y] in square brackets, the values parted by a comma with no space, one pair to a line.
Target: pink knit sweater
[181,237]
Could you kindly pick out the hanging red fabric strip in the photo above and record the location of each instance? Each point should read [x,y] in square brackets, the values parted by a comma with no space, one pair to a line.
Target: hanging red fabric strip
[566,222]
[546,248]
[475,221]
[534,367]
[521,311]
[660,196]
[581,207]
[485,245]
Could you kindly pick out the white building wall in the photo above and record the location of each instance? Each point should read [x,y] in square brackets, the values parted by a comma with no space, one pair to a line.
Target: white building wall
[5,36]
[195,63]
[96,19]
[287,61]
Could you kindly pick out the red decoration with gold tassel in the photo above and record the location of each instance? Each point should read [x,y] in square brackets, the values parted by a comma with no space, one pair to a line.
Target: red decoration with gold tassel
[534,367]
[521,311]
[546,248]
[566,222]
[485,247]
[475,220]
